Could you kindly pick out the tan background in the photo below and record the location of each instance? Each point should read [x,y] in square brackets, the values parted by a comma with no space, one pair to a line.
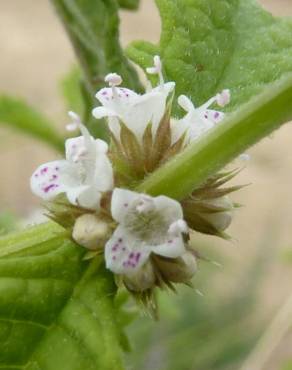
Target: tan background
[35,54]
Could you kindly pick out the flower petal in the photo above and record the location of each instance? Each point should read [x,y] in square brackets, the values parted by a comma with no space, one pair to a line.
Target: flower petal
[112,103]
[174,247]
[101,146]
[101,112]
[85,196]
[123,255]
[46,180]
[166,88]
[149,107]
[103,178]
[214,116]
[121,202]
[170,208]
[178,129]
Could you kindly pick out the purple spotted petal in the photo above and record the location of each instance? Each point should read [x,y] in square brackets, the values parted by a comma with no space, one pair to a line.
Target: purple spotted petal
[214,115]
[123,255]
[45,181]
[106,98]
[172,248]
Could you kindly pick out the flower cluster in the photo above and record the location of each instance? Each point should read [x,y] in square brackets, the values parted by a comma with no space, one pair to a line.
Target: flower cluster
[145,240]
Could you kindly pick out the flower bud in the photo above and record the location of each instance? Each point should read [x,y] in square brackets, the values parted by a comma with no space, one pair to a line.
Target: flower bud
[142,280]
[90,231]
[179,270]
[220,220]
[209,216]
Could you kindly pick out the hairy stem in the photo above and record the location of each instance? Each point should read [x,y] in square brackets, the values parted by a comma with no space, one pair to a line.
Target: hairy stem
[94,34]
[240,130]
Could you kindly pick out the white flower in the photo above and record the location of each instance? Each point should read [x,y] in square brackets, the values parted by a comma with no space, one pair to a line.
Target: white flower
[134,110]
[146,225]
[82,176]
[198,120]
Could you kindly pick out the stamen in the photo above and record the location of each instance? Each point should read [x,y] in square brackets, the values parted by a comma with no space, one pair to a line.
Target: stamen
[77,124]
[76,121]
[223,98]
[157,69]
[208,103]
[113,79]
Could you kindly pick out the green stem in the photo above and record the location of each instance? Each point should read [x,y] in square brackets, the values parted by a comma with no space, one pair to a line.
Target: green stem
[243,128]
[94,34]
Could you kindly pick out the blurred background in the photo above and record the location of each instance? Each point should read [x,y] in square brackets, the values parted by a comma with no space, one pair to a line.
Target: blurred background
[217,327]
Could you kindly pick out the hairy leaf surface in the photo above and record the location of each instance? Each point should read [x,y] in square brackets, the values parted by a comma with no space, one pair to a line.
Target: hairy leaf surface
[56,311]
[207,46]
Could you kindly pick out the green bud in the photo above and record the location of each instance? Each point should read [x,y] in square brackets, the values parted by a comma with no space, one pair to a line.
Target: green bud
[178,270]
[143,280]
[91,232]
[221,220]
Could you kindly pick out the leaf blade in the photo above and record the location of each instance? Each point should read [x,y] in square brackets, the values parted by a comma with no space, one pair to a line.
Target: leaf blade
[43,287]
[231,44]
[17,114]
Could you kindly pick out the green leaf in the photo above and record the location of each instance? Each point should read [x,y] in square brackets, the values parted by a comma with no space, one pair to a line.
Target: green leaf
[56,310]
[208,45]
[94,32]
[17,114]
[129,4]
[204,157]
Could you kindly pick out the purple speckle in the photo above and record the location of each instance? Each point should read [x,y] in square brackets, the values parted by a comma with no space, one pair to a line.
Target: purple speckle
[137,257]
[50,187]
[170,241]
[57,168]
[216,115]
[132,255]
[44,170]
[126,204]
[120,240]
[104,93]
[123,249]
